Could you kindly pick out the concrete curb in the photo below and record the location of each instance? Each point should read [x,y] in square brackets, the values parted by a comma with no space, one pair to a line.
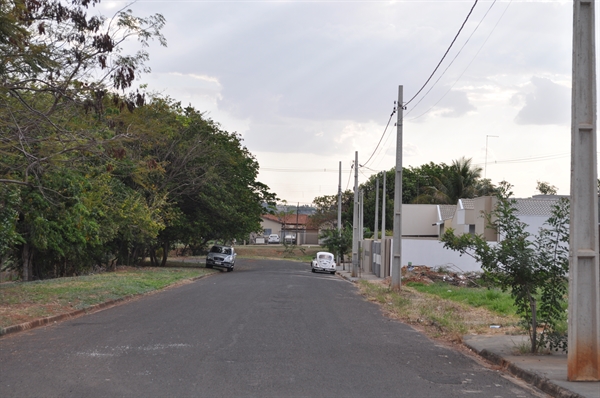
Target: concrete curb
[92,308]
[540,382]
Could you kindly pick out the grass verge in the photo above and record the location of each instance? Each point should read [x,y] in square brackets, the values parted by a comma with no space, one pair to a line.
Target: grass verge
[492,299]
[23,302]
[436,316]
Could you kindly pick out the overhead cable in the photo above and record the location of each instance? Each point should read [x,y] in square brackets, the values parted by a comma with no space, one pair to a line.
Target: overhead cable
[445,54]
[467,67]
[382,135]
[454,59]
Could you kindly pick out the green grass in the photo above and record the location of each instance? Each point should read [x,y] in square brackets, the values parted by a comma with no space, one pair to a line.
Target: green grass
[21,301]
[491,299]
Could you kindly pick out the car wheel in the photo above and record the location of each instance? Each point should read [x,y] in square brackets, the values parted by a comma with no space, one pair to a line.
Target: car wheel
[229,269]
[208,266]
[313,270]
[332,272]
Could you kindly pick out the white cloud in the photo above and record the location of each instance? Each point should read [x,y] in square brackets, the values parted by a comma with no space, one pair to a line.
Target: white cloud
[308,83]
[545,102]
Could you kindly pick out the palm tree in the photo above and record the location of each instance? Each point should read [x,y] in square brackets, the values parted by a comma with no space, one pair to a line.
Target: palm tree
[461,180]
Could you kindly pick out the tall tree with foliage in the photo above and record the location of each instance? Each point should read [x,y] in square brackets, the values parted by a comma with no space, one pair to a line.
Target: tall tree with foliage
[459,180]
[337,241]
[327,209]
[55,61]
[427,184]
[545,188]
[532,269]
[58,68]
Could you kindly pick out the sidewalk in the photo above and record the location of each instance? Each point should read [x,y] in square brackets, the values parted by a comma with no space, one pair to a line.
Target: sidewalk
[546,372]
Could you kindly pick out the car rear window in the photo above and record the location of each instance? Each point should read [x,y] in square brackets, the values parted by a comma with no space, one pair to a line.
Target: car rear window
[325,257]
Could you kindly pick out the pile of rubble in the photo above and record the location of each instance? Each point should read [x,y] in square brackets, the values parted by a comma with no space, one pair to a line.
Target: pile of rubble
[429,275]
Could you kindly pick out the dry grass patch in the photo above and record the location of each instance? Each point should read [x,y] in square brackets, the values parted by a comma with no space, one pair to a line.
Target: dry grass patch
[437,317]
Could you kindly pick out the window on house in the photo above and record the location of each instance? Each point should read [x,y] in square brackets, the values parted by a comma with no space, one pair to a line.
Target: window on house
[472,229]
[267,231]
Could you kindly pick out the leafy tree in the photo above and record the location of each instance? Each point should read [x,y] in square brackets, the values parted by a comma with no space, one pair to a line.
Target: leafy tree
[459,180]
[545,188]
[427,184]
[58,69]
[326,209]
[9,203]
[56,61]
[337,241]
[534,270]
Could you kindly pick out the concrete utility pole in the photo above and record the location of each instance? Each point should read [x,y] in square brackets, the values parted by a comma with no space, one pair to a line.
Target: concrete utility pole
[354,272]
[383,203]
[584,269]
[397,245]
[339,214]
[376,232]
[361,215]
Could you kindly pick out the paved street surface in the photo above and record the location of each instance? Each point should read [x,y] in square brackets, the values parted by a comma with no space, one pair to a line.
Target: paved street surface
[268,329]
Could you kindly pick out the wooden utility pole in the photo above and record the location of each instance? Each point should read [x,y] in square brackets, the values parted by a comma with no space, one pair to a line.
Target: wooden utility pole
[584,269]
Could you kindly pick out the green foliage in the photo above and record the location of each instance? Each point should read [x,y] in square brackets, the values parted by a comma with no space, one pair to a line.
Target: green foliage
[533,269]
[9,204]
[545,188]
[427,184]
[92,178]
[492,299]
[327,209]
[338,242]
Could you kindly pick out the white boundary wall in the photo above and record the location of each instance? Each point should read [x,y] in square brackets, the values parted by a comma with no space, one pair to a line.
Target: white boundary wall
[431,252]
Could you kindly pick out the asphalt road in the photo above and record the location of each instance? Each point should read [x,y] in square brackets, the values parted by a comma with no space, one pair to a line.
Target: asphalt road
[268,329]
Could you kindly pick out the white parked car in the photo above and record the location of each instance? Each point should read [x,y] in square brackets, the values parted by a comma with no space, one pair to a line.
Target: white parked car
[324,261]
[273,238]
[221,257]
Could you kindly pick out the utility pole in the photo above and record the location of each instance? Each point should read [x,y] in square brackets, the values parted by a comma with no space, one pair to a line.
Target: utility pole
[339,215]
[354,272]
[397,245]
[361,213]
[584,269]
[383,206]
[376,233]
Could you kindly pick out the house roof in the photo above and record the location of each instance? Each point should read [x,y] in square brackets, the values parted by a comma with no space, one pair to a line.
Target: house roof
[466,204]
[446,212]
[302,219]
[535,206]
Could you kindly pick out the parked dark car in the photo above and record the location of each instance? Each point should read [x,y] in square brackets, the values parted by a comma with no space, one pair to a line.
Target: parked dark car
[221,257]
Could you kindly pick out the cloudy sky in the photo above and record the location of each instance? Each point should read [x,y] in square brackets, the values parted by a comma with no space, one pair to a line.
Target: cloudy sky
[308,83]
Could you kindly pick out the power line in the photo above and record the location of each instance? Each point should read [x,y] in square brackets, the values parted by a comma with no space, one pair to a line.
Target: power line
[454,59]
[382,135]
[349,176]
[445,54]
[467,67]
[432,74]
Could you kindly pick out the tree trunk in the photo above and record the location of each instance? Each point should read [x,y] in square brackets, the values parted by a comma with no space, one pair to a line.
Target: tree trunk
[165,254]
[533,326]
[26,258]
[153,260]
